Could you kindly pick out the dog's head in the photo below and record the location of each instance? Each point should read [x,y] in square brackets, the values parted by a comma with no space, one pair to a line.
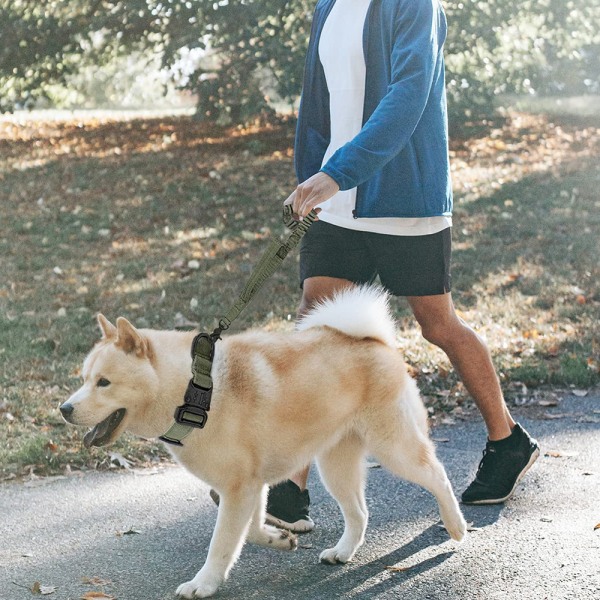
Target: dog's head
[119,382]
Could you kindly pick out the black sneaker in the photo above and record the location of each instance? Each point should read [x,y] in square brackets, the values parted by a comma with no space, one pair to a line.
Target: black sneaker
[287,507]
[503,465]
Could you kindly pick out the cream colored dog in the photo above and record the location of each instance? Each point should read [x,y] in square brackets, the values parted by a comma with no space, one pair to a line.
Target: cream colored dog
[334,390]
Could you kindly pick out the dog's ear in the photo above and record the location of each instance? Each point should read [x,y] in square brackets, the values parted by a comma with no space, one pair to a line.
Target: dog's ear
[107,328]
[129,339]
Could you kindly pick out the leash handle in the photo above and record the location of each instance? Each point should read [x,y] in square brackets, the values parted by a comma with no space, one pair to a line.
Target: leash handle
[291,221]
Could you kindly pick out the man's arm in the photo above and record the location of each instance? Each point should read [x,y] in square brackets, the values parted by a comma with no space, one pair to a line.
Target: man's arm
[387,131]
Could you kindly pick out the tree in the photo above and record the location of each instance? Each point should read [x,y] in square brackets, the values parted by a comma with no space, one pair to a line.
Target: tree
[43,42]
[252,48]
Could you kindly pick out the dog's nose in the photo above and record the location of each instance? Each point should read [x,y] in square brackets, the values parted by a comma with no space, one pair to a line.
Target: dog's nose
[66,410]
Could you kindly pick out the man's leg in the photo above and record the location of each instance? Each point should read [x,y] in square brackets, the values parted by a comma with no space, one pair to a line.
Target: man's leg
[468,354]
[510,451]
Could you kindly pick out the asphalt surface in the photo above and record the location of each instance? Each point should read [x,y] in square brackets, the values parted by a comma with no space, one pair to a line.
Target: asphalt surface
[141,534]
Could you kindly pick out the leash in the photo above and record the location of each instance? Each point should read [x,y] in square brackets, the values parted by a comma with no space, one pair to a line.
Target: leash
[193,413]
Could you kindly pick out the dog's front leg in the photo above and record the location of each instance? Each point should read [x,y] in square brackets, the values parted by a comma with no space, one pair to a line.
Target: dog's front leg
[235,512]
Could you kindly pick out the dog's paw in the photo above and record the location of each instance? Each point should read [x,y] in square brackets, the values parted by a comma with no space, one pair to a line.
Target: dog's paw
[281,539]
[273,537]
[336,556]
[192,589]
[455,525]
[457,529]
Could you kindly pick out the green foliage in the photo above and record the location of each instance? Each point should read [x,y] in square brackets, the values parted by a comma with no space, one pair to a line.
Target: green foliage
[500,47]
[252,50]
[236,55]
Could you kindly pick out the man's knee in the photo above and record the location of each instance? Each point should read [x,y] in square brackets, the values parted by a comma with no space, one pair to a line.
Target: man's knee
[316,289]
[444,334]
[433,334]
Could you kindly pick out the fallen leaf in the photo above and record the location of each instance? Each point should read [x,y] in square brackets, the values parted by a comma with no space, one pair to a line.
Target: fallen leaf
[92,595]
[130,531]
[560,454]
[470,527]
[548,403]
[398,569]
[443,372]
[95,581]
[120,460]
[46,590]
[556,415]
[43,590]
[580,393]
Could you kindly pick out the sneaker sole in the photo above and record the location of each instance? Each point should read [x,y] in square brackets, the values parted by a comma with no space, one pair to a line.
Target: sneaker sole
[300,526]
[534,456]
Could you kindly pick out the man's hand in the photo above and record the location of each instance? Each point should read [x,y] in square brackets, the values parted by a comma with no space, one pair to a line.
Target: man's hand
[312,192]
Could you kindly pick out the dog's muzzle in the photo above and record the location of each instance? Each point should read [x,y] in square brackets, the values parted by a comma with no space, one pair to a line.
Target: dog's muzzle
[66,410]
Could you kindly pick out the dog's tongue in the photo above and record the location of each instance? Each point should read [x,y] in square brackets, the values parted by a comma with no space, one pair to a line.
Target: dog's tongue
[91,437]
[100,434]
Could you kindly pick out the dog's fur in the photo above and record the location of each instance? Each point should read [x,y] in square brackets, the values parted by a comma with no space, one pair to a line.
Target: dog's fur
[334,390]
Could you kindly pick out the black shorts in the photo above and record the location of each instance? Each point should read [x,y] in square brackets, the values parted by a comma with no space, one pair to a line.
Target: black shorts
[406,265]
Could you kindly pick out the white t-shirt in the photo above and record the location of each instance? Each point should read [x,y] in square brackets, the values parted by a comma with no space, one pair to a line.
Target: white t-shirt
[342,56]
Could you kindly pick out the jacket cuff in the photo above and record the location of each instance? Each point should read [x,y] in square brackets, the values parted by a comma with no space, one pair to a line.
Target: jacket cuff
[344,181]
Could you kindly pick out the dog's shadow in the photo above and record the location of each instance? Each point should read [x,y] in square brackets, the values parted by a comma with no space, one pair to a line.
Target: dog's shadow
[302,576]
[353,575]
[306,579]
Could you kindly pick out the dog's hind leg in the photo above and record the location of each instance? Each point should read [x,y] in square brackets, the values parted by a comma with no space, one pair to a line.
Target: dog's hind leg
[399,442]
[236,508]
[267,535]
[342,470]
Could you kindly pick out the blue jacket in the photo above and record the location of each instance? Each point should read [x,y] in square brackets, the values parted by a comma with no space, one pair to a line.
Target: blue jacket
[399,160]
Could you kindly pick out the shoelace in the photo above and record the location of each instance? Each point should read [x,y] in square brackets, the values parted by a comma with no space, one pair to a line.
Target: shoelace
[486,465]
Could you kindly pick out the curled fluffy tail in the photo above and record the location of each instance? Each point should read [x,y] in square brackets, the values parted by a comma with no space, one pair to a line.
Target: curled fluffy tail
[361,312]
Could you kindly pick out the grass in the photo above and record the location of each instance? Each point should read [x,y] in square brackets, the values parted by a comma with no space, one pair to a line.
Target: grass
[161,220]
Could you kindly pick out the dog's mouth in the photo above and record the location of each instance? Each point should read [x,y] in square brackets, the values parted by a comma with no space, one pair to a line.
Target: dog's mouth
[102,433]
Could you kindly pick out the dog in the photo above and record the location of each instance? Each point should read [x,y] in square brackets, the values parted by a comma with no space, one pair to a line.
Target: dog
[333,390]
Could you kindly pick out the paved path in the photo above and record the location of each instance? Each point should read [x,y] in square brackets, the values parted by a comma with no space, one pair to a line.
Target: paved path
[541,544]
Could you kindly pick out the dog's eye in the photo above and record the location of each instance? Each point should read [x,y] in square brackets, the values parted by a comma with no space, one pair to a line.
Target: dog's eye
[102,382]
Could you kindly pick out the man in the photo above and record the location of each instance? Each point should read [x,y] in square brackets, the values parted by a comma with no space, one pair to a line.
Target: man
[372,154]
